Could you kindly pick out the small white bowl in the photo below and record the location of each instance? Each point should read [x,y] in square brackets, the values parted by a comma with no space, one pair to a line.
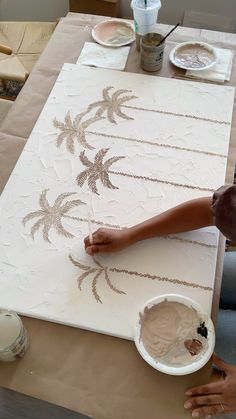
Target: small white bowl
[203,317]
[114,33]
[188,65]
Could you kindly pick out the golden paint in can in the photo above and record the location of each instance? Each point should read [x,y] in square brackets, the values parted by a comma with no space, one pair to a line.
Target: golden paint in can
[151,52]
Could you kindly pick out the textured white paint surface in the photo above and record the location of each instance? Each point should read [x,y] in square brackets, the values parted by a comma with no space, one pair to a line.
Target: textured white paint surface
[37,278]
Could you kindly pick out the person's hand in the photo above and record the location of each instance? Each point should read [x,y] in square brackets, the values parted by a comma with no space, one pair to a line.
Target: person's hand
[107,240]
[214,398]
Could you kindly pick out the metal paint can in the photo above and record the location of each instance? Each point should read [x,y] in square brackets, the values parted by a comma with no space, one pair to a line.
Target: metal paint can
[151,52]
[13,336]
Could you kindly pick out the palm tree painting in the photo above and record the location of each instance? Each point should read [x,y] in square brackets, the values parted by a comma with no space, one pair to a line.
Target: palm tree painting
[110,107]
[98,271]
[100,170]
[51,216]
[111,104]
[74,130]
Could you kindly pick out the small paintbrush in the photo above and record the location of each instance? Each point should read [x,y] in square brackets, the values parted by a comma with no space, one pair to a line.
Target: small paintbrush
[90,229]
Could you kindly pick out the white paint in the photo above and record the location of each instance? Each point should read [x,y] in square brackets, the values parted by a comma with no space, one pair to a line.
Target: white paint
[37,278]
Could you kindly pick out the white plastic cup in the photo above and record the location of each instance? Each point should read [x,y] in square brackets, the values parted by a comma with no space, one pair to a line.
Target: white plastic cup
[145,17]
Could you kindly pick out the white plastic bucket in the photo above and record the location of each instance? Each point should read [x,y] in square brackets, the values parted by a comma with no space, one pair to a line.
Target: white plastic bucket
[145,17]
[158,364]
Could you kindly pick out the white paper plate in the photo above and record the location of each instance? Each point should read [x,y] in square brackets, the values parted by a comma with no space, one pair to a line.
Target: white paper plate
[170,369]
[193,56]
[114,33]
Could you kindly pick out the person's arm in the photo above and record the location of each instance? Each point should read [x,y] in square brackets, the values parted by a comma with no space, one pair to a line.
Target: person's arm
[215,398]
[190,215]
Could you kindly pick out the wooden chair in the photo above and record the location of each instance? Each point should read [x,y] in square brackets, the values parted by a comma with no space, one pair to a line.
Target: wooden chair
[21,44]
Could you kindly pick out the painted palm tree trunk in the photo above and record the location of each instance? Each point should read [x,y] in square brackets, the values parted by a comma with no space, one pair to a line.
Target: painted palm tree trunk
[98,271]
[100,170]
[110,107]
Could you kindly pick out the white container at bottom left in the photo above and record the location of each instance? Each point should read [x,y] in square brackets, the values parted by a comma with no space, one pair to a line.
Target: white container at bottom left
[13,336]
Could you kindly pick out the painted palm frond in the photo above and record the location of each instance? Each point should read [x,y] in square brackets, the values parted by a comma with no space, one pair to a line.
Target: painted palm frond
[74,130]
[97,272]
[50,216]
[100,170]
[97,170]
[112,103]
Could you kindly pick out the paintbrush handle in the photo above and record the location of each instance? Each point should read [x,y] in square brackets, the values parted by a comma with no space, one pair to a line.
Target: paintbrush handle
[163,39]
[90,229]
[5,50]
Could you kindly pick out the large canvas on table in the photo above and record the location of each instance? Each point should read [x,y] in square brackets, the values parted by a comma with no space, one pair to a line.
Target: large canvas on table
[118,148]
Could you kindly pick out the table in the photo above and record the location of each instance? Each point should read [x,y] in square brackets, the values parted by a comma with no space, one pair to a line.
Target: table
[95,374]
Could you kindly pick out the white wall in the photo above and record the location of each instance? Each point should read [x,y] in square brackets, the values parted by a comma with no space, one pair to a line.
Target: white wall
[172,11]
[30,10]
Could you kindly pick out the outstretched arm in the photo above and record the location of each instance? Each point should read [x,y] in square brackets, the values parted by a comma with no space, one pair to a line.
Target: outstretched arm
[190,215]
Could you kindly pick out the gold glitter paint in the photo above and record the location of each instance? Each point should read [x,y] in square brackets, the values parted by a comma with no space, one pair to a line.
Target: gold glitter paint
[183,115]
[136,140]
[98,271]
[211,246]
[160,278]
[111,104]
[74,130]
[151,179]
[51,216]
[99,170]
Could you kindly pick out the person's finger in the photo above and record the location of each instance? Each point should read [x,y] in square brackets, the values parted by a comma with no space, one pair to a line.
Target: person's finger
[209,411]
[211,388]
[208,400]
[100,237]
[220,363]
[94,249]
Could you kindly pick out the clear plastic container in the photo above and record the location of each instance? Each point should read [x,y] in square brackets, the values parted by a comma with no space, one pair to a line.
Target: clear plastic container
[13,336]
[145,17]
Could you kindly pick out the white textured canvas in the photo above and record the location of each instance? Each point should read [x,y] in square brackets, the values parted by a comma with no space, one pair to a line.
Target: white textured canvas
[123,147]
